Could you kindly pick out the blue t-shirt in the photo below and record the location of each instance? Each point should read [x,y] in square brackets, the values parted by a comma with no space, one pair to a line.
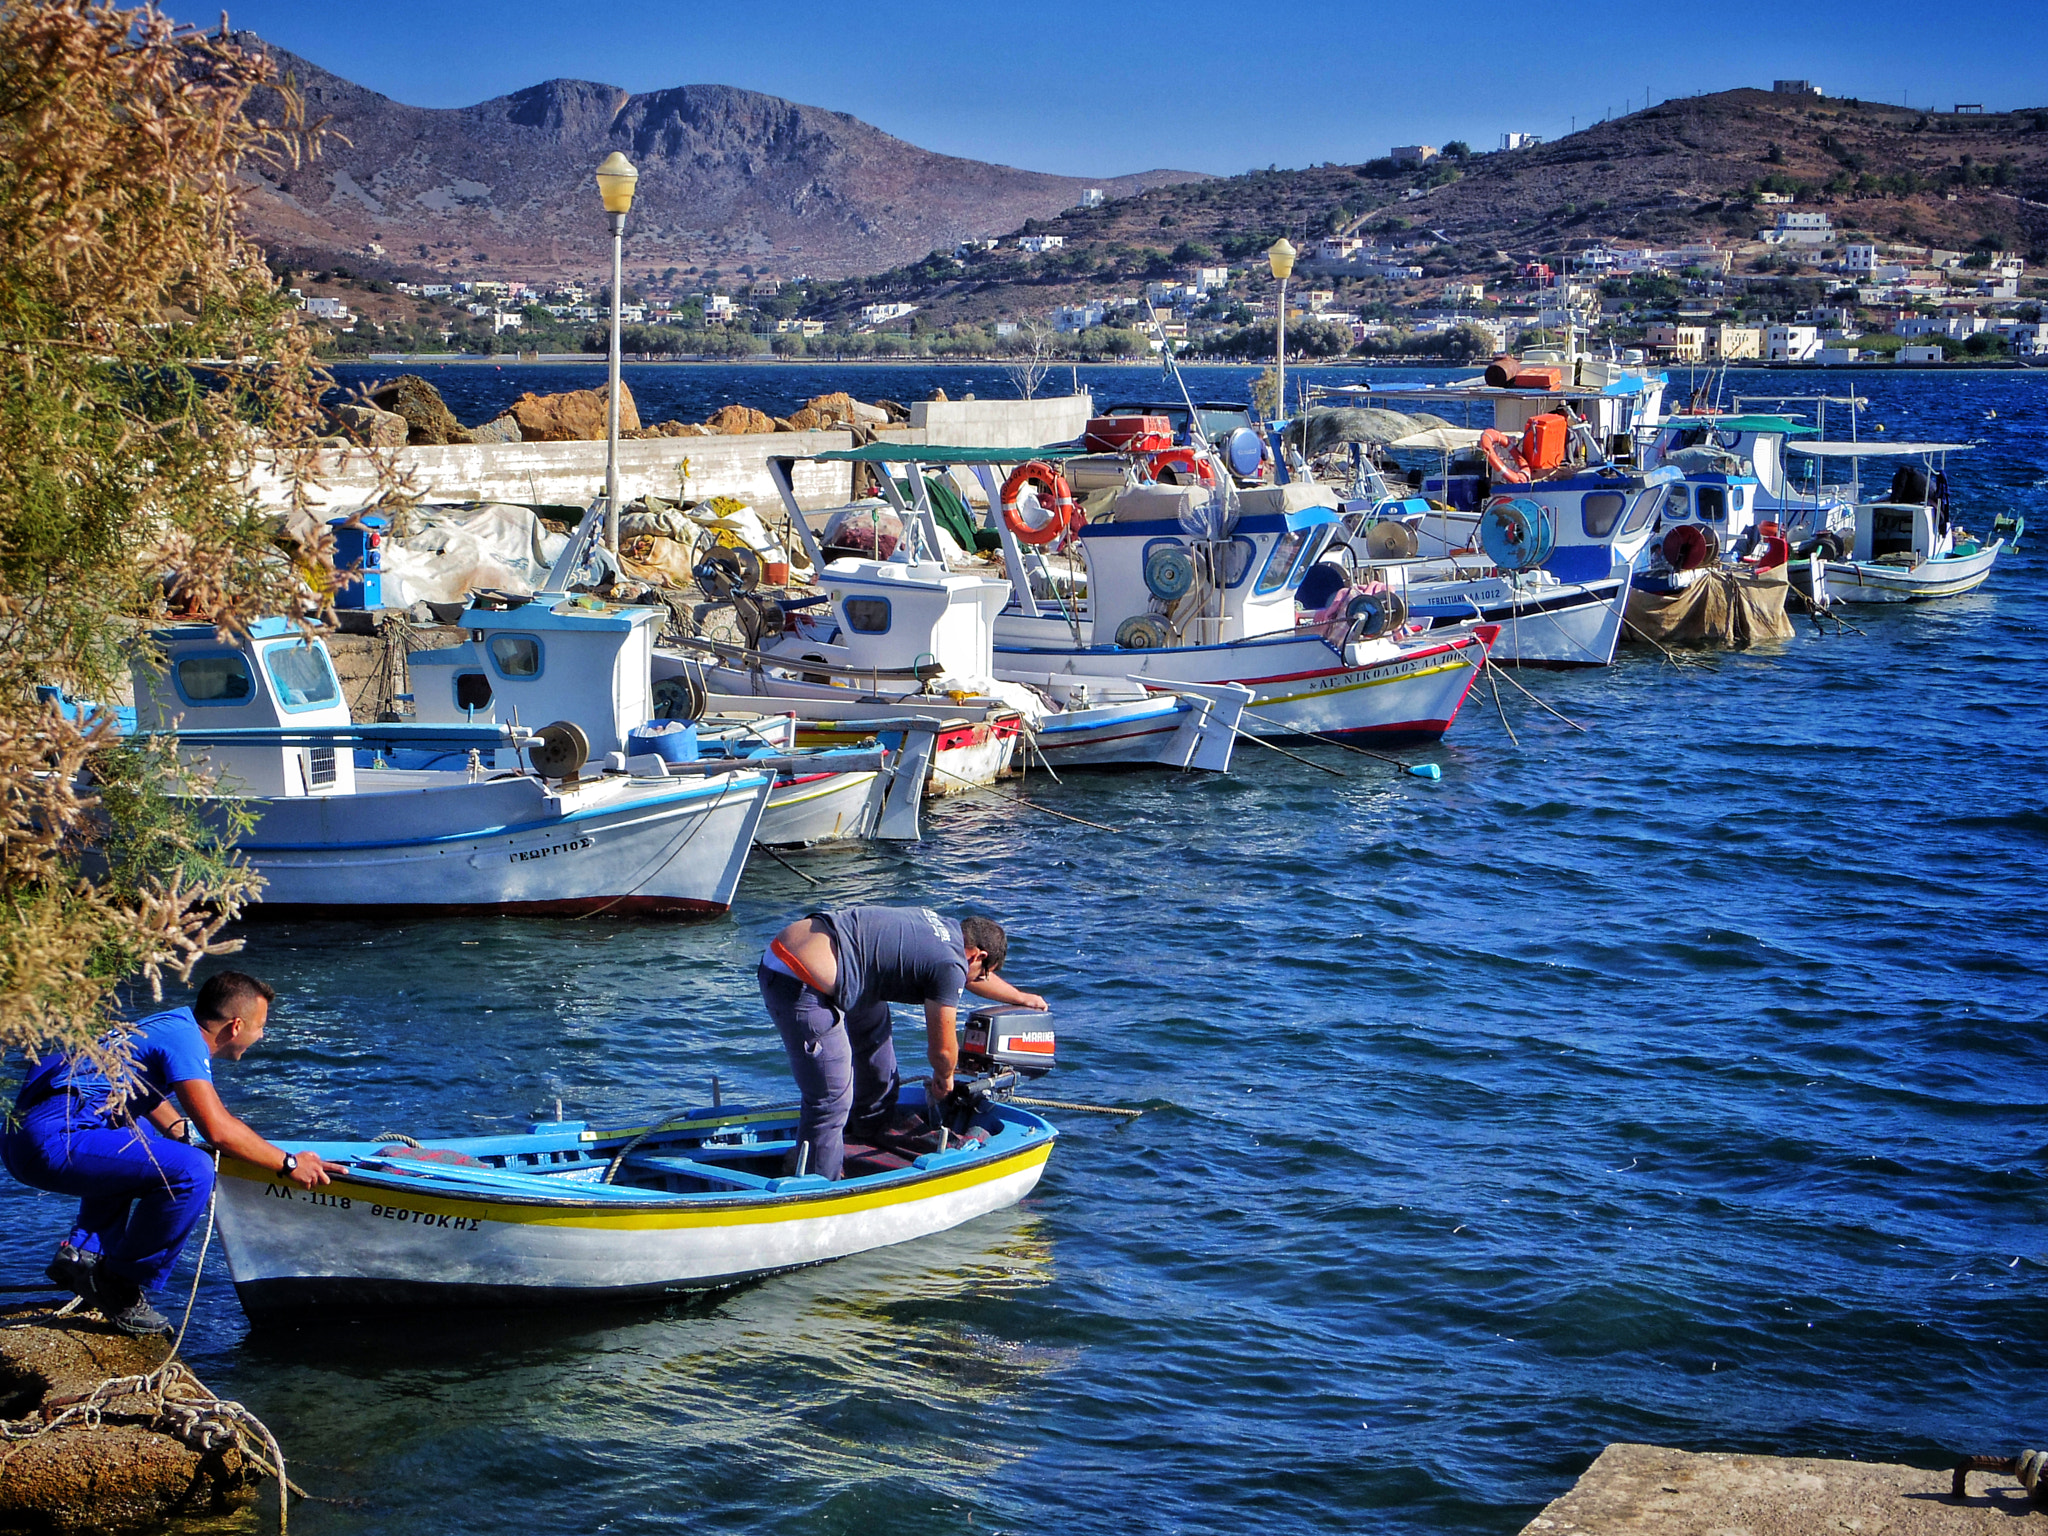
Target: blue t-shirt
[166,1049]
[897,955]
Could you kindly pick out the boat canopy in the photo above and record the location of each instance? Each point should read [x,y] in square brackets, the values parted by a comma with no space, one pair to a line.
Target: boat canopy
[1440,439]
[1782,424]
[1875,450]
[943,453]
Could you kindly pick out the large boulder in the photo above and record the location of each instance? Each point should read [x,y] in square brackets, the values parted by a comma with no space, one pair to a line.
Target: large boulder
[836,411]
[575,417]
[740,421]
[372,428]
[428,421]
[499,429]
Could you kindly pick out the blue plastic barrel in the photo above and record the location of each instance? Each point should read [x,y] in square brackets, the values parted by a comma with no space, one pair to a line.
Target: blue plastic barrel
[673,741]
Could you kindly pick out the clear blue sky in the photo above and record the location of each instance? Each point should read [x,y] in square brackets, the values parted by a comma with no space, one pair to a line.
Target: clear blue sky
[1097,89]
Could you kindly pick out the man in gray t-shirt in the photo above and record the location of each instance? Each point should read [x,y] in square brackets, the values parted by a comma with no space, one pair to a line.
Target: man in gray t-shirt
[827,981]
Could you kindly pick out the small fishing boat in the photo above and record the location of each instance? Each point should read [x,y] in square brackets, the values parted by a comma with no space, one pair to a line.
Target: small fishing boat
[529,833]
[1908,546]
[564,1213]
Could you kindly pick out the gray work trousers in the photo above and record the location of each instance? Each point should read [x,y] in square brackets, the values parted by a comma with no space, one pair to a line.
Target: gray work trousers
[844,1064]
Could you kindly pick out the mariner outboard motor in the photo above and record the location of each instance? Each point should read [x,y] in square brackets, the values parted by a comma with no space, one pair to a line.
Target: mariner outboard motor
[1000,1047]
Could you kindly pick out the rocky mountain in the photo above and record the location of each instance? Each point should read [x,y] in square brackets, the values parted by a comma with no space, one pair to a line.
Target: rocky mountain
[727,177]
[1690,169]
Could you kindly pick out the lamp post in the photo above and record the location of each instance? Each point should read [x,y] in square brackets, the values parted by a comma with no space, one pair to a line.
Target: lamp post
[615,181]
[1280,256]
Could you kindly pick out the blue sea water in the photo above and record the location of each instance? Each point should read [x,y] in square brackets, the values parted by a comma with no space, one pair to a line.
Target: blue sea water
[1674,1075]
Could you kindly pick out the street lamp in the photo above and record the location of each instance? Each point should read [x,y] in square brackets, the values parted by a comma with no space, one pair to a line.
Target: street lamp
[615,181]
[1280,256]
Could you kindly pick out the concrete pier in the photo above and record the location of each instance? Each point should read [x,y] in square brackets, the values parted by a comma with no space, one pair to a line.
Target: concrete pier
[1650,1490]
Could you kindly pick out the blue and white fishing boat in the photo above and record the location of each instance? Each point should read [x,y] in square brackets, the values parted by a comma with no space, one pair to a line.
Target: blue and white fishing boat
[888,630]
[568,1214]
[1159,590]
[534,834]
[591,663]
[1532,522]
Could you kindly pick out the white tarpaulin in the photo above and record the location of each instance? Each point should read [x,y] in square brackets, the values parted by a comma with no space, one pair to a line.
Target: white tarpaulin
[459,550]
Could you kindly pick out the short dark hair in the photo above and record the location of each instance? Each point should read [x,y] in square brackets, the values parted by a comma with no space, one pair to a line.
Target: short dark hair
[227,993]
[986,934]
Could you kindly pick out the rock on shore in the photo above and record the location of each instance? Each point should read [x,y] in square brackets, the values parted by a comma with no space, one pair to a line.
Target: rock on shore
[123,1476]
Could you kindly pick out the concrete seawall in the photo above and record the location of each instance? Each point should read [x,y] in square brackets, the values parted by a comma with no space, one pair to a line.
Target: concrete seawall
[571,474]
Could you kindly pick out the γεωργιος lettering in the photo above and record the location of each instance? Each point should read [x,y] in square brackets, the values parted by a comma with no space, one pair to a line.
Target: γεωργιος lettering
[575,845]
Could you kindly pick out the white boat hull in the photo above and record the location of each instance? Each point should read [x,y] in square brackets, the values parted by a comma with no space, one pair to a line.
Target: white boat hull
[1301,684]
[1573,625]
[359,1244]
[821,808]
[515,844]
[1863,581]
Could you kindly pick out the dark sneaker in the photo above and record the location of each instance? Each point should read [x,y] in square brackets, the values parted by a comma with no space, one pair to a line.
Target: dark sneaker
[122,1303]
[72,1269]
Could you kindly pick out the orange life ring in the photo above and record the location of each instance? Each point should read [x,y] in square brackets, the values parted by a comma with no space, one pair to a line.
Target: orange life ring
[1499,449]
[1053,492]
[1186,461]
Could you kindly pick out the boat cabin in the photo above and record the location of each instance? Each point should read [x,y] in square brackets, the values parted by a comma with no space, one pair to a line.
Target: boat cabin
[1146,581]
[276,678]
[548,658]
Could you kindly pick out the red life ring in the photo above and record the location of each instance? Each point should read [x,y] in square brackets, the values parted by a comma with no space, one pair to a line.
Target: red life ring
[1499,449]
[1186,463]
[1053,492]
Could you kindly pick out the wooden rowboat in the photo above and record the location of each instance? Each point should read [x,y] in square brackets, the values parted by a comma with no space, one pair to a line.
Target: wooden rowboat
[564,1212]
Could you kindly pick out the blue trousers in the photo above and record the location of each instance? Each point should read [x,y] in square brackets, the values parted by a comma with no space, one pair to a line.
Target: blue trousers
[139,1193]
[844,1064]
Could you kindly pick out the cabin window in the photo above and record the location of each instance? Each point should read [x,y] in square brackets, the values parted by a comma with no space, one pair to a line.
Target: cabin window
[1599,512]
[1713,504]
[867,615]
[215,680]
[302,675]
[515,655]
[1736,495]
[1645,508]
[472,691]
[1279,562]
[1237,561]
[1678,506]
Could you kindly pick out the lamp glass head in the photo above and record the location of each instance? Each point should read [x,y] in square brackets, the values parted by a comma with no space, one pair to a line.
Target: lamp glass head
[1280,255]
[615,181]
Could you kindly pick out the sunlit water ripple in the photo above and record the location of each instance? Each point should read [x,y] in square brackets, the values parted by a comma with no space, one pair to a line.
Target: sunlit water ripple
[1678,1080]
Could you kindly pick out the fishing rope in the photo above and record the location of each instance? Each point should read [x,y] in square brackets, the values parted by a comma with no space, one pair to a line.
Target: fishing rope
[180,1404]
[1259,741]
[1498,708]
[1541,705]
[1345,745]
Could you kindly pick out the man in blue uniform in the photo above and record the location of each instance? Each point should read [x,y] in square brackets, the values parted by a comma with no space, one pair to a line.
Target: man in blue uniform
[121,1146]
[828,980]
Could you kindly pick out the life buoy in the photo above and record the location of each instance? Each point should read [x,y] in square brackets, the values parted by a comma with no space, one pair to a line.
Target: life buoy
[1053,493]
[1499,449]
[1185,463]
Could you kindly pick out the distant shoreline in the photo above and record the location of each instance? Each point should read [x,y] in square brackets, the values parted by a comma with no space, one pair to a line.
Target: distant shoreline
[597,360]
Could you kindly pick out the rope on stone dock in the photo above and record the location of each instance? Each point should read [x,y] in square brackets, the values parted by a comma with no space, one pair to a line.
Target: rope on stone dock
[2030,1467]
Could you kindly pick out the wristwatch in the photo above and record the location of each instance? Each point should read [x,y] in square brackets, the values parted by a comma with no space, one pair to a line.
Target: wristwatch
[291,1164]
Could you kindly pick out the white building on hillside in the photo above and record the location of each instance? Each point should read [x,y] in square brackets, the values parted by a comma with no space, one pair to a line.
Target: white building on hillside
[1799,229]
[1791,343]
[1035,245]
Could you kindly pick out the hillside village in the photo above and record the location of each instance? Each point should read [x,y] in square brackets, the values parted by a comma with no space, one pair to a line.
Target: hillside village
[1779,226]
